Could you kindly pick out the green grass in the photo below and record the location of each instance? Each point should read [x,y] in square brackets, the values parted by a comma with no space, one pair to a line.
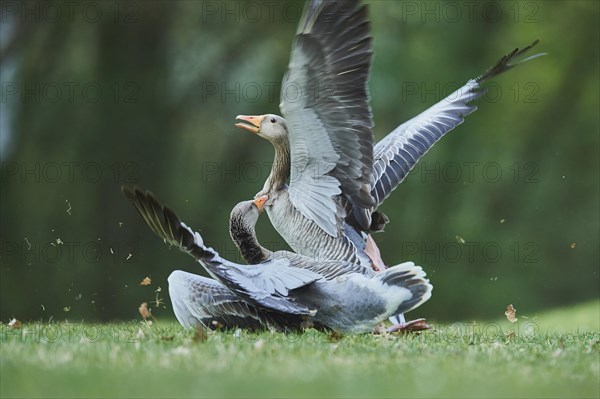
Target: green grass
[483,359]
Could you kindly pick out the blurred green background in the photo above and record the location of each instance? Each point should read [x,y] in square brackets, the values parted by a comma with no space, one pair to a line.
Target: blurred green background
[503,210]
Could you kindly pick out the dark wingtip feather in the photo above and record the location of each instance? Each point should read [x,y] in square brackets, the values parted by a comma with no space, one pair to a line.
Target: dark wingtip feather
[504,64]
[163,221]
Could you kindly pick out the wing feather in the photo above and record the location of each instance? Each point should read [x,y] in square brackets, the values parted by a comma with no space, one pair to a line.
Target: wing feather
[330,123]
[399,151]
[266,284]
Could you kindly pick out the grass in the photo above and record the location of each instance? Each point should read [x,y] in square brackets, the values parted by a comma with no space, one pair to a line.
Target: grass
[554,354]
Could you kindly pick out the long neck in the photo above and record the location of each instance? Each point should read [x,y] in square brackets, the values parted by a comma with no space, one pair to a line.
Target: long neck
[280,171]
[245,240]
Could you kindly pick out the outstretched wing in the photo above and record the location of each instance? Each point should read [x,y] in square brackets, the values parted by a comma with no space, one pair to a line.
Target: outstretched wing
[197,299]
[400,150]
[266,284]
[325,101]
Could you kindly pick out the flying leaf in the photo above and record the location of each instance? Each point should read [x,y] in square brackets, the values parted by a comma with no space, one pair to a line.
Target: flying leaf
[144,311]
[146,281]
[511,313]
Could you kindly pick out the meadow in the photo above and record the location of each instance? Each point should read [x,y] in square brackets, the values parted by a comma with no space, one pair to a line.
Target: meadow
[552,354]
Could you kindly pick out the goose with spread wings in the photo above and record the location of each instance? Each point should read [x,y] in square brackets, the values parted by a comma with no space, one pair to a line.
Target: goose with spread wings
[324,146]
[283,289]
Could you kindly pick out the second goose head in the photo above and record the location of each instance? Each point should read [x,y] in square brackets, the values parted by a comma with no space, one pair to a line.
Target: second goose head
[242,223]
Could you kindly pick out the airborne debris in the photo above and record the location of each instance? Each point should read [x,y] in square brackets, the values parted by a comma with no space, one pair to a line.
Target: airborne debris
[14,323]
[68,210]
[573,245]
[158,301]
[129,256]
[28,243]
[511,313]
[144,311]
[502,220]
[460,239]
[67,308]
[146,281]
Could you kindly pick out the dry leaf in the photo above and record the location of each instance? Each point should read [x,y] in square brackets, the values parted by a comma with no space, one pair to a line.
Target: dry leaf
[144,311]
[146,281]
[511,313]
[14,323]
[573,245]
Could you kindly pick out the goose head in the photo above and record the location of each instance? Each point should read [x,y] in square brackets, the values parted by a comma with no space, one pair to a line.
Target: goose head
[269,126]
[245,214]
[242,223]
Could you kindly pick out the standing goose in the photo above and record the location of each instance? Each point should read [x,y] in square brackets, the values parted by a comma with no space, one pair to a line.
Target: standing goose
[351,300]
[324,146]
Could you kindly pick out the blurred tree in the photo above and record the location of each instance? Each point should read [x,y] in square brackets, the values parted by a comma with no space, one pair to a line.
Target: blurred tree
[147,94]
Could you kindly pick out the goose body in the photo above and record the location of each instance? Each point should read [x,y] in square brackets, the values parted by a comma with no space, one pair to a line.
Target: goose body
[306,238]
[200,300]
[284,288]
[337,176]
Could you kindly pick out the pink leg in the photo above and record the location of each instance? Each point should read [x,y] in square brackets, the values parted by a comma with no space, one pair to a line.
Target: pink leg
[410,326]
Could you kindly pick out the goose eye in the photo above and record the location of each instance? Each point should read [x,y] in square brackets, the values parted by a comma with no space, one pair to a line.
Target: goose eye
[273,120]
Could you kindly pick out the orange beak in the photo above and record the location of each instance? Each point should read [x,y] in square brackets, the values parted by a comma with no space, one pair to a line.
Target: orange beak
[260,202]
[253,124]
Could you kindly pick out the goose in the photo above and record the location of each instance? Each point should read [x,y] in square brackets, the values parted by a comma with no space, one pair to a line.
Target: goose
[324,146]
[286,287]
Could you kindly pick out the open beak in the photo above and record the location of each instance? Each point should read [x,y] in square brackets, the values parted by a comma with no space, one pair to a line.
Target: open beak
[253,124]
[260,202]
